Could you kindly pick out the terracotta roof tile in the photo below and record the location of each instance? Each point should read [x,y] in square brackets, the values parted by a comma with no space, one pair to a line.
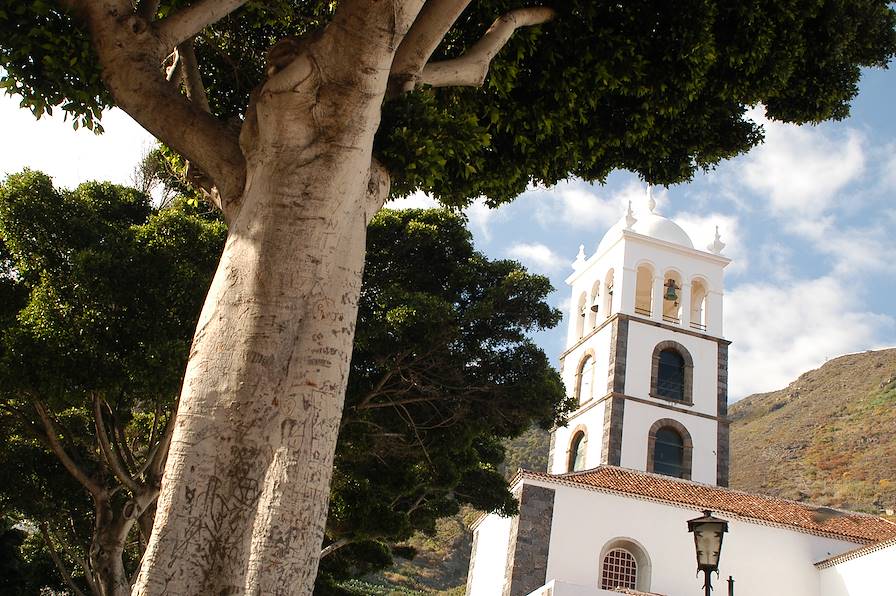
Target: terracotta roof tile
[849,525]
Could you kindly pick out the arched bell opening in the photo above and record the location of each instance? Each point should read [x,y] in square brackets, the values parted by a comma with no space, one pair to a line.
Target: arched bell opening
[698,304]
[672,297]
[644,290]
[608,294]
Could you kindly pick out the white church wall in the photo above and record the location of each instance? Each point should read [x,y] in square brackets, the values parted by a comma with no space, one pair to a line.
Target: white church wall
[764,560]
[643,338]
[582,282]
[592,419]
[638,420]
[872,574]
[491,540]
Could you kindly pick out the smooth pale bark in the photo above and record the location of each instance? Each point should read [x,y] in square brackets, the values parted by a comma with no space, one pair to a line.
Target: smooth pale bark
[246,487]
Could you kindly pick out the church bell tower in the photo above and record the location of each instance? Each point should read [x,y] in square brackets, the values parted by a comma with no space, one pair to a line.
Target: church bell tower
[645,355]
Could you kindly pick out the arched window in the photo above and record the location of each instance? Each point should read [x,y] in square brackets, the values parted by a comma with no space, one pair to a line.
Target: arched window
[671,303]
[577,452]
[594,305]
[624,564]
[669,449]
[619,570]
[579,315]
[698,305]
[672,373]
[586,379]
[670,376]
[644,291]
[608,294]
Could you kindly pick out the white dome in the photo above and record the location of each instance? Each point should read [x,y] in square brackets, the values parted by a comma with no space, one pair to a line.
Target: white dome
[650,224]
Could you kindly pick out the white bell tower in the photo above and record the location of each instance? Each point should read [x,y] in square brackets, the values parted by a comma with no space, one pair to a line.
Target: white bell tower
[645,356]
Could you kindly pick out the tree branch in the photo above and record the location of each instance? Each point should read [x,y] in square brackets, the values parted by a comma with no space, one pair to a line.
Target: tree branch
[147,9]
[130,55]
[334,546]
[192,77]
[190,20]
[69,464]
[115,463]
[424,36]
[470,69]
[54,555]
[157,461]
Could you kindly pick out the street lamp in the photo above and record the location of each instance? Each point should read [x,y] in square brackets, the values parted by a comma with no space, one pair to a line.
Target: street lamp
[708,532]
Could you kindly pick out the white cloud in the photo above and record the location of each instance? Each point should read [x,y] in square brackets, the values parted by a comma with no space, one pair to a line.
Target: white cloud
[481,217]
[702,230]
[800,169]
[851,250]
[71,157]
[417,200]
[537,257]
[781,331]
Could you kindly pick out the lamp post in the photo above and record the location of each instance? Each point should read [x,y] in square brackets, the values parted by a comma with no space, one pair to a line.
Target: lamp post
[708,532]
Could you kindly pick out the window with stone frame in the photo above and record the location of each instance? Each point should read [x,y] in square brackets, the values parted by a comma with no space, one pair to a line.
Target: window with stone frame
[668,454]
[586,379]
[670,375]
[619,569]
[577,452]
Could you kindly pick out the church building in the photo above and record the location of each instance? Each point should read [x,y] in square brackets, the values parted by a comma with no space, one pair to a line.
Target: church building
[647,450]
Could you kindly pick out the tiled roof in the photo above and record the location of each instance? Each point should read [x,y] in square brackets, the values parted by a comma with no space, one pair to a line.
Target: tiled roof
[856,553]
[805,517]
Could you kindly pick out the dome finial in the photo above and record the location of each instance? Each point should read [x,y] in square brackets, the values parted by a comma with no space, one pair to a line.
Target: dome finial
[717,244]
[580,258]
[629,217]
[651,202]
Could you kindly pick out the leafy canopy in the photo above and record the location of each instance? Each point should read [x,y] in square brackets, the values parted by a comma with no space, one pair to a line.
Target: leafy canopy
[659,88]
[99,293]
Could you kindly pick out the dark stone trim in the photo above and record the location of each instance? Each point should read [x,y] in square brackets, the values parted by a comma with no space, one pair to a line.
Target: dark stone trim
[674,409]
[687,456]
[723,446]
[530,541]
[688,371]
[618,356]
[611,447]
[589,353]
[674,328]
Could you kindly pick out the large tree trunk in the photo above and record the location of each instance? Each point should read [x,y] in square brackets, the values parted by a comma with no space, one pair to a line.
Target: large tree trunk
[246,487]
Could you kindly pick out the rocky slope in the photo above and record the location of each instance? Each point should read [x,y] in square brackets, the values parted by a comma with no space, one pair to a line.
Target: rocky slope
[828,437]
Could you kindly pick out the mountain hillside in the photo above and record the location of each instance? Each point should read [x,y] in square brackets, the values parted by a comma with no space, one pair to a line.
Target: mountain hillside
[828,437]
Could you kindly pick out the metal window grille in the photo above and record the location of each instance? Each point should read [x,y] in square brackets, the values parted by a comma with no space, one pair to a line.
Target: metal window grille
[619,570]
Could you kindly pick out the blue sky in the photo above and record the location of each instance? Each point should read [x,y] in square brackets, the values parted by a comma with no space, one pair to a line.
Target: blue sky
[808,218]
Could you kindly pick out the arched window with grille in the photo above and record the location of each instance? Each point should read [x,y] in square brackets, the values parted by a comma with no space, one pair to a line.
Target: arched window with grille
[624,564]
[669,449]
[672,373]
[619,570]
[577,452]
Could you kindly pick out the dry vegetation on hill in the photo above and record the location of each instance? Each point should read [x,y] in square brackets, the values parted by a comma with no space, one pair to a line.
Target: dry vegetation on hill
[828,437]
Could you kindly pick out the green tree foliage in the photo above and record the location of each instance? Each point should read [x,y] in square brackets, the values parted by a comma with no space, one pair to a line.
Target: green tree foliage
[442,371]
[99,297]
[659,88]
